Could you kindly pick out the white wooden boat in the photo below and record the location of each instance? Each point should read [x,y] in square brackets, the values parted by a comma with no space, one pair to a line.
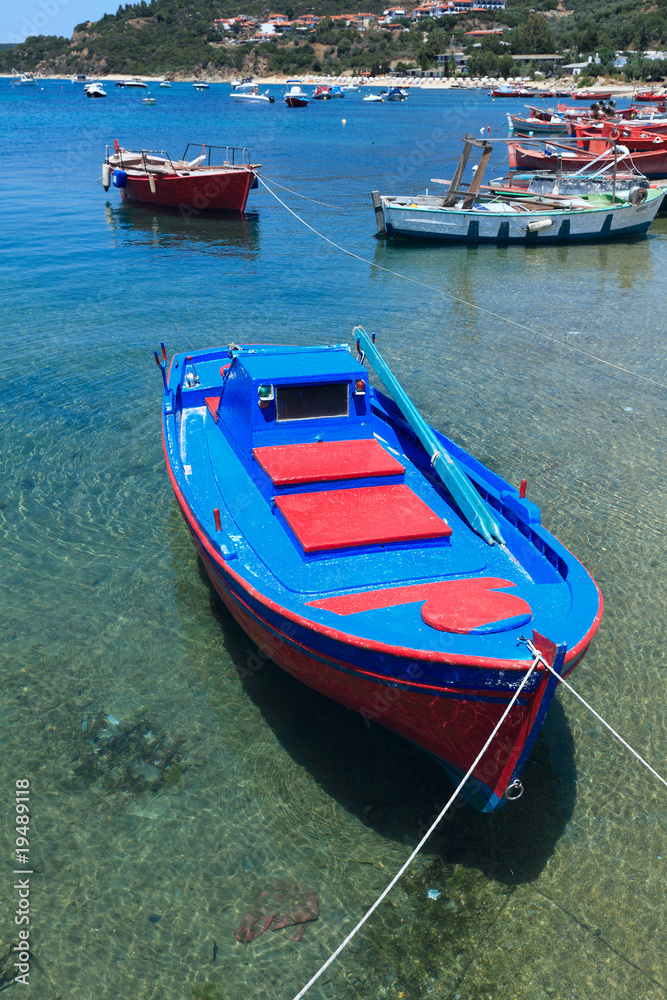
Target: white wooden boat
[469,216]
[501,220]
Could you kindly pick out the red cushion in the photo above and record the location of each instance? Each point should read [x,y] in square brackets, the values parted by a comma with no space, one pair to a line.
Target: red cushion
[324,461]
[366,515]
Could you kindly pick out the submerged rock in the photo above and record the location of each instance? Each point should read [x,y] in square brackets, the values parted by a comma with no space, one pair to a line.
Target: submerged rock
[282,905]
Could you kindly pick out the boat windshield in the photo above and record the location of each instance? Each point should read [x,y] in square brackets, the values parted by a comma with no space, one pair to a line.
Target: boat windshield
[217,156]
[308,401]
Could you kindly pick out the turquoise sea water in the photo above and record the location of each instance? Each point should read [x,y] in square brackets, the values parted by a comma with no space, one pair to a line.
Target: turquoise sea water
[218,775]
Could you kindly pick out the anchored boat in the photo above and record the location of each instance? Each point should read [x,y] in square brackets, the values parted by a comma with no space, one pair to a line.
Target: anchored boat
[206,177]
[370,556]
[295,95]
[471,214]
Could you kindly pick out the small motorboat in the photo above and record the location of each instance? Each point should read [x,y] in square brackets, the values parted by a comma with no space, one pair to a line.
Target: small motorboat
[295,95]
[396,94]
[137,83]
[81,78]
[240,82]
[322,93]
[120,84]
[205,177]
[513,92]
[374,98]
[94,90]
[248,93]
[337,92]
[23,79]
[370,556]
[149,100]
[165,83]
[201,85]
[349,88]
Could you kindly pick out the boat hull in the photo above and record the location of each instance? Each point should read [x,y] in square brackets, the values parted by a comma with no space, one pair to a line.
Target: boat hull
[653,165]
[296,102]
[450,722]
[224,190]
[443,683]
[457,226]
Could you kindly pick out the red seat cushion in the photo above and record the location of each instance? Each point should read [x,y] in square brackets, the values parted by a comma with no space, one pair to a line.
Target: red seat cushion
[325,461]
[366,515]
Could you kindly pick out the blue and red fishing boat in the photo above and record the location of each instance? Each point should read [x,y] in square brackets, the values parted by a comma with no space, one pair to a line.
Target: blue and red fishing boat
[370,556]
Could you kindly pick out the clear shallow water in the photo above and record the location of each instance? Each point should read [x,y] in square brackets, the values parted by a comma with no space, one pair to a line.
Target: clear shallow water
[144,876]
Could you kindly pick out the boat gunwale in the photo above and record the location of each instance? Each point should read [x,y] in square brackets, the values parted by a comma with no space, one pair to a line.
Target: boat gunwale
[345,638]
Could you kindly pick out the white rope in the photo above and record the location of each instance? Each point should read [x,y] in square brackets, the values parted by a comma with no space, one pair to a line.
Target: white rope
[305,198]
[457,298]
[590,708]
[537,659]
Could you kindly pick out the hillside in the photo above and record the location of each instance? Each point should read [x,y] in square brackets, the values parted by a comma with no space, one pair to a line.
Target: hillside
[178,37]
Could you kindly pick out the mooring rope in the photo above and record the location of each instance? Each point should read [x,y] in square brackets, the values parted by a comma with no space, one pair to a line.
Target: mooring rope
[336,208]
[536,653]
[457,298]
[536,659]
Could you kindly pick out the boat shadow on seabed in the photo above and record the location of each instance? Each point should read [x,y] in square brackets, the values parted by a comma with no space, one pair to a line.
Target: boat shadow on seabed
[374,774]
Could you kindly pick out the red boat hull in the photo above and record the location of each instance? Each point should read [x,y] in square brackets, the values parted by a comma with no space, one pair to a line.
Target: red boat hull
[650,164]
[450,725]
[296,102]
[223,190]
[592,95]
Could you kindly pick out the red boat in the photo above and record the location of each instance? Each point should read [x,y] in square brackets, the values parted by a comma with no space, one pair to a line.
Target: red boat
[592,95]
[514,93]
[635,139]
[219,178]
[557,156]
[322,94]
[620,124]
[649,95]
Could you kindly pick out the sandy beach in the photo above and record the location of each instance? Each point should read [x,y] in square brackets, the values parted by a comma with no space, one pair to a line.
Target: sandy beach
[432,83]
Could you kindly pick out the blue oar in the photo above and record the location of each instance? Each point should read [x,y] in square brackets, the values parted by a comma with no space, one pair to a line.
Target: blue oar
[466,496]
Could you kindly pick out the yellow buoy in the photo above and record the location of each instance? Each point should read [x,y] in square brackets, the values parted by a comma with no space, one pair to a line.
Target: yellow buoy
[344,121]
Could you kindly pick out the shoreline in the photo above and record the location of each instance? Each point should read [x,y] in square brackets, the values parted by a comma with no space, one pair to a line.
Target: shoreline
[429,83]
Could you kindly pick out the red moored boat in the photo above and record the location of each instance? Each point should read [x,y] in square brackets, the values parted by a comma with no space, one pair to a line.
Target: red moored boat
[592,95]
[219,178]
[636,139]
[652,96]
[557,156]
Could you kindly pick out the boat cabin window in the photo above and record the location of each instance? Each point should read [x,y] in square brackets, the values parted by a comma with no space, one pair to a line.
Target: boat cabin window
[308,401]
